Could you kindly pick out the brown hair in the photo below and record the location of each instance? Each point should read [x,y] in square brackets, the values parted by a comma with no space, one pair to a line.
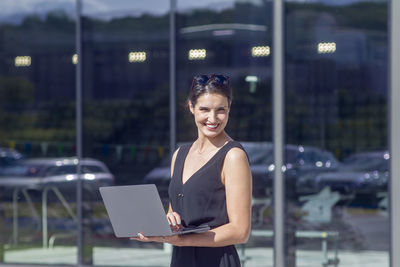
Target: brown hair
[212,83]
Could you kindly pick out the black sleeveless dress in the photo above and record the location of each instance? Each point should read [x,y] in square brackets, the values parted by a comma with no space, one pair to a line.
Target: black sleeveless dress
[201,200]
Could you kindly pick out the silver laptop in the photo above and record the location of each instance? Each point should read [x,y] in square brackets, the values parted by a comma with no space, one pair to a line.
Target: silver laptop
[134,209]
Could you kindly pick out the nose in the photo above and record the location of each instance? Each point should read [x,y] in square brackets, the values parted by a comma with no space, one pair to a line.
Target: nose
[213,116]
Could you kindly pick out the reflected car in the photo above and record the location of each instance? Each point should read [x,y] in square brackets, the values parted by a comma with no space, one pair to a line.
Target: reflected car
[9,158]
[364,173]
[300,161]
[36,174]
[258,153]
[301,166]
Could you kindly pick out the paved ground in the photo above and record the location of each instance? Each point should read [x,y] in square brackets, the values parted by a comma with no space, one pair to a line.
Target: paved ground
[157,257]
[363,242]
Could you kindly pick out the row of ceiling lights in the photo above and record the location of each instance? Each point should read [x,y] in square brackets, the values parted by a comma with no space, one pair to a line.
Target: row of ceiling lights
[193,54]
[140,56]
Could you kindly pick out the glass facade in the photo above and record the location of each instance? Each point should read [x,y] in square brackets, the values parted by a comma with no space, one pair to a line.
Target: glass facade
[233,38]
[125,91]
[37,103]
[337,154]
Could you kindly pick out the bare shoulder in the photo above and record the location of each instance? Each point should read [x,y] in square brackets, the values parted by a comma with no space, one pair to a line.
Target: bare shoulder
[236,155]
[236,166]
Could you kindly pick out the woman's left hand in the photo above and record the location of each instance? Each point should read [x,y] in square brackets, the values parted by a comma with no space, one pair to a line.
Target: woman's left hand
[174,240]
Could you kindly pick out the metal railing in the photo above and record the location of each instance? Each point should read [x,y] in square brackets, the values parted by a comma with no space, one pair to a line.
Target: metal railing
[323,235]
[45,238]
[35,213]
[15,201]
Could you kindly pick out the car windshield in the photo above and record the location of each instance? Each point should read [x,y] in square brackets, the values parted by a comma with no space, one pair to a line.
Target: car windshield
[71,169]
[308,156]
[9,158]
[8,161]
[366,163]
[261,153]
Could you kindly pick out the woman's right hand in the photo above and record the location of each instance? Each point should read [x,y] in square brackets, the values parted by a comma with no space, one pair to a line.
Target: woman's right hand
[174,220]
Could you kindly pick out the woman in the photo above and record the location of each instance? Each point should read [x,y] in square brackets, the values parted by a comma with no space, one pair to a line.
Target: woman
[211,183]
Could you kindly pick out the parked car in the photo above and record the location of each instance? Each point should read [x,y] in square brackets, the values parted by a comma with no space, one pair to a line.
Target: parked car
[258,153]
[304,164]
[364,173]
[9,158]
[301,166]
[300,160]
[36,174]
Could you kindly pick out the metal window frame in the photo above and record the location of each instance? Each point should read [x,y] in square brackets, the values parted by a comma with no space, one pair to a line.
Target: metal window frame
[278,133]
[172,76]
[394,125]
[394,132]
[79,184]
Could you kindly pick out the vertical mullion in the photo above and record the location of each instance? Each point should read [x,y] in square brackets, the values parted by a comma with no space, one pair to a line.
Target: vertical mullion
[278,133]
[172,77]
[79,132]
[394,56]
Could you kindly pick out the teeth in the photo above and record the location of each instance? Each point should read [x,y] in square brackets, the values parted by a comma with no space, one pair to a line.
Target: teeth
[212,126]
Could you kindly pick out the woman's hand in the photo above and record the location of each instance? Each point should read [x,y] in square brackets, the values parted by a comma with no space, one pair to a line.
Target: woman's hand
[174,220]
[175,240]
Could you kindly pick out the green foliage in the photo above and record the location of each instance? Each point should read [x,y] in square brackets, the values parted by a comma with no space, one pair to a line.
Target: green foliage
[15,91]
[55,20]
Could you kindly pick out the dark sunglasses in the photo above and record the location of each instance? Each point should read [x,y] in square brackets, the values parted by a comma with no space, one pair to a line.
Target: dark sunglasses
[205,79]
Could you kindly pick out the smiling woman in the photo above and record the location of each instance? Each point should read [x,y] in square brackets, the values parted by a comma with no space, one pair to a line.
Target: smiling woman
[211,183]
[210,114]
[209,101]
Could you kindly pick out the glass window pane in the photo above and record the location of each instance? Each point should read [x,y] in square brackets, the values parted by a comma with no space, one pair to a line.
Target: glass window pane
[125,115]
[336,116]
[234,38]
[37,131]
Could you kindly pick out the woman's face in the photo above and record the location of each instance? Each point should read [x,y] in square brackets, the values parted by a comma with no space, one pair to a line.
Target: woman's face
[211,114]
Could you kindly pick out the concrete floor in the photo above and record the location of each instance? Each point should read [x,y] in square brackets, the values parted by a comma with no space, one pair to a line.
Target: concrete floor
[257,257]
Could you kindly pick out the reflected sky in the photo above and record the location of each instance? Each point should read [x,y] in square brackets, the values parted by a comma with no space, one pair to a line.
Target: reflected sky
[9,7]
[14,10]
[335,2]
[108,9]
[117,7]
[148,6]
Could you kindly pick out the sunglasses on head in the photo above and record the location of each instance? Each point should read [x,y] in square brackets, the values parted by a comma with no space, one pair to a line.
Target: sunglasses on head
[205,79]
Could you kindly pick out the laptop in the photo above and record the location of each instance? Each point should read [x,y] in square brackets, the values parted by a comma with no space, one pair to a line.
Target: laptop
[134,209]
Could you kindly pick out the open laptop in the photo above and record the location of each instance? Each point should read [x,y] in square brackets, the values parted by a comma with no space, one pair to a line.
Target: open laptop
[134,209]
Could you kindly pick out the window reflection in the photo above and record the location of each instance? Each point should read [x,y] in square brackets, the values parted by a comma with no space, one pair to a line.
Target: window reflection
[37,104]
[336,159]
[236,39]
[125,111]
[336,100]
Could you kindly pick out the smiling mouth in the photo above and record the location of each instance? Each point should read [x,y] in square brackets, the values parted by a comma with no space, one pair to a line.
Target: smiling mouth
[211,126]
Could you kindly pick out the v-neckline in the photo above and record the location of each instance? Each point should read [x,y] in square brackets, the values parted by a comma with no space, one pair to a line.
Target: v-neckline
[202,167]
